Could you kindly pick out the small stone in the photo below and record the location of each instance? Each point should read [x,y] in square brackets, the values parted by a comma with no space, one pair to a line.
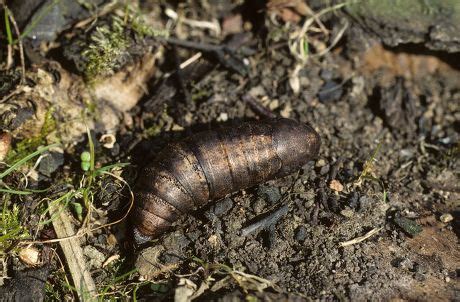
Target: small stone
[273,104]
[223,117]
[177,127]
[188,118]
[270,194]
[286,112]
[5,143]
[95,257]
[446,218]
[301,233]
[257,91]
[50,162]
[347,213]
[320,163]
[214,240]
[336,185]
[223,206]
[29,256]
[324,169]
[331,91]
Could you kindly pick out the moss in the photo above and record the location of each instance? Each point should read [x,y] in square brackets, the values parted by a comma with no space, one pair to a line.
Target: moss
[103,54]
[135,18]
[29,145]
[199,93]
[152,131]
[10,228]
[109,44]
[143,29]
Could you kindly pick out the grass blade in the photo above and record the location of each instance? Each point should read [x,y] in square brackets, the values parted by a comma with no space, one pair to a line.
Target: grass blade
[25,159]
[9,34]
[16,192]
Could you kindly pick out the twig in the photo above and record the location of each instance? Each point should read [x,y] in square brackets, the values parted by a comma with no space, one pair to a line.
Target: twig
[190,60]
[334,42]
[214,26]
[181,80]
[194,71]
[257,107]
[21,49]
[266,222]
[361,238]
[224,54]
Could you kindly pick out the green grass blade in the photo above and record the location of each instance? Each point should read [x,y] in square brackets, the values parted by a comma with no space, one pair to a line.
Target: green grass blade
[109,167]
[15,192]
[9,34]
[91,149]
[25,159]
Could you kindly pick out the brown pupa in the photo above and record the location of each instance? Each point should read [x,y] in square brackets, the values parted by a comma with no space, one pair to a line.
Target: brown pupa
[211,164]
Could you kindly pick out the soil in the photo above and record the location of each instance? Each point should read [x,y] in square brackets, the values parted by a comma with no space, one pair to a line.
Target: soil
[389,121]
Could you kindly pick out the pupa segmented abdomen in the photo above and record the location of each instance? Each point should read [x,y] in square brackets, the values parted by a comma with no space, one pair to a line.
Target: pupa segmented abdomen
[211,164]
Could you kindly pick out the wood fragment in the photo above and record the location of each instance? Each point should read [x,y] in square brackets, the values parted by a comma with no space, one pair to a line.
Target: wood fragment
[73,253]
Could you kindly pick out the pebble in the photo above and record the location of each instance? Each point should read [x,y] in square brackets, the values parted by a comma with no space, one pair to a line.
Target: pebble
[5,143]
[96,258]
[320,163]
[446,218]
[223,117]
[223,206]
[50,162]
[336,185]
[331,91]
[347,213]
[301,233]
[29,256]
[270,194]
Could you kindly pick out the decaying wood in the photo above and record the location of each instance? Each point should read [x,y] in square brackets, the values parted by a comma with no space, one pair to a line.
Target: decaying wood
[73,253]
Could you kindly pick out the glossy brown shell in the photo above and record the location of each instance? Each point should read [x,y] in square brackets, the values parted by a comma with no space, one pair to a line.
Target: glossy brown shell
[211,164]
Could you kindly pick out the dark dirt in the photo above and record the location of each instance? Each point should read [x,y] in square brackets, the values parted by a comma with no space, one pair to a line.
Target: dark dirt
[304,256]
[389,120]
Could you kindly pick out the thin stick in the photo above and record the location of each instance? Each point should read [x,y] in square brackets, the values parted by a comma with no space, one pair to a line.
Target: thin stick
[21,49]
[361,238]
[257,107]
[190,60]
[9,57]
[265,222]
